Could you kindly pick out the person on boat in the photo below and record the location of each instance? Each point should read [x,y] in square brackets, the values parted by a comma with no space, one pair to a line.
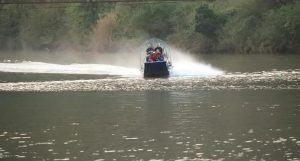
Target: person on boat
[159,51]
[154,56]
[159,48]
[150,52]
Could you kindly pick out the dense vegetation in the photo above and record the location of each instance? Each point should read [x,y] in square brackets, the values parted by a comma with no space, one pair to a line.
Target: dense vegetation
[226,26]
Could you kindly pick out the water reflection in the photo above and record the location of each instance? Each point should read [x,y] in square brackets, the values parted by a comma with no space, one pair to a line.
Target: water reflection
[166,125]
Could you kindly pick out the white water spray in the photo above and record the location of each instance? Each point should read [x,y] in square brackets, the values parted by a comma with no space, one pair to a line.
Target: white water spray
[40,67]
[185,65]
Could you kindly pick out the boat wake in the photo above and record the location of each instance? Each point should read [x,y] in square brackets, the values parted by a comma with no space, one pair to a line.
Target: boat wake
[40,67]
[194,69]
[180,69]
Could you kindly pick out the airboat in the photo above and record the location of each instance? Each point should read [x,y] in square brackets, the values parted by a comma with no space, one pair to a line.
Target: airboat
[155,58]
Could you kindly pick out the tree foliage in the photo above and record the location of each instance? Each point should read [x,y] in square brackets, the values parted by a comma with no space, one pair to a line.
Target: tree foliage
[207,22]
[254,26]
[10,20]
[263,27]
[42,30]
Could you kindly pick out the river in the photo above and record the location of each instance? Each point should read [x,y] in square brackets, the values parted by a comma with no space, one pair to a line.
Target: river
[237,108]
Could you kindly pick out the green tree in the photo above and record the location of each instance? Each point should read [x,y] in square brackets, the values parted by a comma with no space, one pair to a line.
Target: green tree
[207,22]
[155,20]
[10,19]
[42,28]
[80,20]
[280,30]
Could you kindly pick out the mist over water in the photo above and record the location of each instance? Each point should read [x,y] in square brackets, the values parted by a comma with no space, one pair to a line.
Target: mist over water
[186,74]
[40,67]
[185,65]
[124,65]
[122,72]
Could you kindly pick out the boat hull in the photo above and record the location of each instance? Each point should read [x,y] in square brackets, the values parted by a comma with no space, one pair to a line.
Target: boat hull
[156,69]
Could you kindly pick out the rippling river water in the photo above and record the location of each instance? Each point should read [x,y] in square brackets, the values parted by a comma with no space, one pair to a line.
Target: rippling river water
[59,112]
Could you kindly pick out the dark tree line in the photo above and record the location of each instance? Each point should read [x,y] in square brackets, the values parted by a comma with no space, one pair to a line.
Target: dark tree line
[227,26]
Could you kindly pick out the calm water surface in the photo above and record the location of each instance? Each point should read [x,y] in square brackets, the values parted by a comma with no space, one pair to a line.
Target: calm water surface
[246,113]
